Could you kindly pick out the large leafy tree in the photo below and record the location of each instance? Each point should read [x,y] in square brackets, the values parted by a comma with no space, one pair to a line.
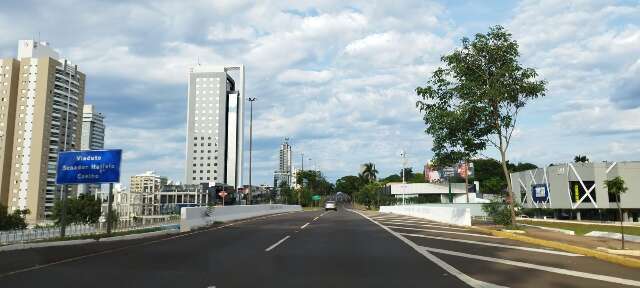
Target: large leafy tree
[473,101]
[349,184]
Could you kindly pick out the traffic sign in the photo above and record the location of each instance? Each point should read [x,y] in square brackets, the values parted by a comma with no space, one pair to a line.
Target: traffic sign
[88,166]
[315,197]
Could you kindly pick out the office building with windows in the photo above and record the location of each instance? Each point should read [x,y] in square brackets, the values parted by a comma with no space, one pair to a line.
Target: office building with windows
[215,125]
[92,139]
[577,190]
[41,113]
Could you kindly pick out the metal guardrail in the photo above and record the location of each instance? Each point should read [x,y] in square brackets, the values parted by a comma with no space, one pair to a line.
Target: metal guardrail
[74,230]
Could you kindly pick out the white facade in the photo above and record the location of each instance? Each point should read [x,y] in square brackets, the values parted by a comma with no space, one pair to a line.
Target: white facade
[285,168]
[92,129]
[92,139]
[215,125]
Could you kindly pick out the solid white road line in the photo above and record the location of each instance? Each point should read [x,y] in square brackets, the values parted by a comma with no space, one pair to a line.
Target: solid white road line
[276,244]
[444,265]
[539,267]
[442,231]
[305,225]
[494,245]
[427,225]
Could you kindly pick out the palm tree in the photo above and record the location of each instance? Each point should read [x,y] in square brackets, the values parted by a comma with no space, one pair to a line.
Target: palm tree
[616,186]
[369,172]
[580,159]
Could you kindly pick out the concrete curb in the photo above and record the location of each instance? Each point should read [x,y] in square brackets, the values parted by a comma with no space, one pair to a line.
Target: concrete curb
[620,252]
[140,235]
[22,246]
[565,231]
[625,261]
[613,235]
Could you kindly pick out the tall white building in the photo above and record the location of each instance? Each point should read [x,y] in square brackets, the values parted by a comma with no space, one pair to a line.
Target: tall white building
[92,139]
[285,169]
[92,129]
[215,125]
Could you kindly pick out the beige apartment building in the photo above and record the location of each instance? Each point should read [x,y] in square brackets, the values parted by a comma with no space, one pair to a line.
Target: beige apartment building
[148,185]
[42,117]
[9,73]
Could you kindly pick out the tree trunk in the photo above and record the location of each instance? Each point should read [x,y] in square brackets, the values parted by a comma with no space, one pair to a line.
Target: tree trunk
[621,221]
[510,198]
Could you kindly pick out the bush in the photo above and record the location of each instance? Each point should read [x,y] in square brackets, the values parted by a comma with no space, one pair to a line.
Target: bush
[82,210]
[13,221]
[498,210]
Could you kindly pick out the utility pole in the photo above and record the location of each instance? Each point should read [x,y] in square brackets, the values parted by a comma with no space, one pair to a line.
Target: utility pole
[250,145]
[110,201]
[403,154]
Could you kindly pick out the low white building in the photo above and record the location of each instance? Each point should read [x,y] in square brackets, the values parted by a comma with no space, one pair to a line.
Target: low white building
[411,190]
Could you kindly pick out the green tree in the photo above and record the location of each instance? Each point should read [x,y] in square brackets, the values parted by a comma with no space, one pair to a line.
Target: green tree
[349,184]
[369,194]
[408,173]
[617,187]
[580,159]
[82,210]
[473,101]
[392,178]
[14,220]
[370,173]
[521,167]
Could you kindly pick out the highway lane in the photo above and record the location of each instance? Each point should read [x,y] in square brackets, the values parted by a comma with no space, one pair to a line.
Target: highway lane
[506,262]
[313,249]
[333,249]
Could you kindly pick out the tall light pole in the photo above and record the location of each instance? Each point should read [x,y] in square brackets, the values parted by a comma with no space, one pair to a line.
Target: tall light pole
[403,154]
[250,145]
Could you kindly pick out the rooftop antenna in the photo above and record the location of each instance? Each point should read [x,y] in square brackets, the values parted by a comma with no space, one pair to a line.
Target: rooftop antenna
[198,60]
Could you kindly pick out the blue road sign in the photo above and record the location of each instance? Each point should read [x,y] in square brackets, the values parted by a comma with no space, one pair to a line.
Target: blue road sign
[89,166]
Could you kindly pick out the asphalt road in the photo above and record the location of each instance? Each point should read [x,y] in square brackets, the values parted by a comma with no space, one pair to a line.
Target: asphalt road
[311,249]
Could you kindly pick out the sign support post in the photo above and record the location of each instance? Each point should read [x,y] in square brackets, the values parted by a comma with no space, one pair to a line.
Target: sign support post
[63,225]
[109,208]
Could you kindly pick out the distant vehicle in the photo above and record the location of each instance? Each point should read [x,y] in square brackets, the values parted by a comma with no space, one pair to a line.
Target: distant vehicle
[330,205]
[524,216]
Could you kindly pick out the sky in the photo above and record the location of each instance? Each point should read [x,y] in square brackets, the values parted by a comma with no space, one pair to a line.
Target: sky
[338,78]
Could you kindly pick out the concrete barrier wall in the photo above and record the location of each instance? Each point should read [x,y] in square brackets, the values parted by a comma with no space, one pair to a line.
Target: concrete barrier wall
[475,208]
[446,214]
[193,217]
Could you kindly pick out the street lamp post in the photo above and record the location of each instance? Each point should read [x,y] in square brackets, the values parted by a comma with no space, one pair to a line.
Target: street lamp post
[403,154]
[251,100]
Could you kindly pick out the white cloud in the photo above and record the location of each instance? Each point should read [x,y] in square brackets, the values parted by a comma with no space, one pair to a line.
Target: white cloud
[305,76]
[221,32]
[339,77]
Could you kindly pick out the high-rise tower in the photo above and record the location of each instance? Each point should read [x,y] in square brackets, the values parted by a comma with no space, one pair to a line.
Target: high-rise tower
[214,125]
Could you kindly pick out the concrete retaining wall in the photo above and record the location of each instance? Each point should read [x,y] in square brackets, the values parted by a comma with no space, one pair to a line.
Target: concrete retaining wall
[193,217]
[446,214]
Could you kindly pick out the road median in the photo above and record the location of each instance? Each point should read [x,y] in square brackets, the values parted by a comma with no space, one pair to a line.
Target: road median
[617,259]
